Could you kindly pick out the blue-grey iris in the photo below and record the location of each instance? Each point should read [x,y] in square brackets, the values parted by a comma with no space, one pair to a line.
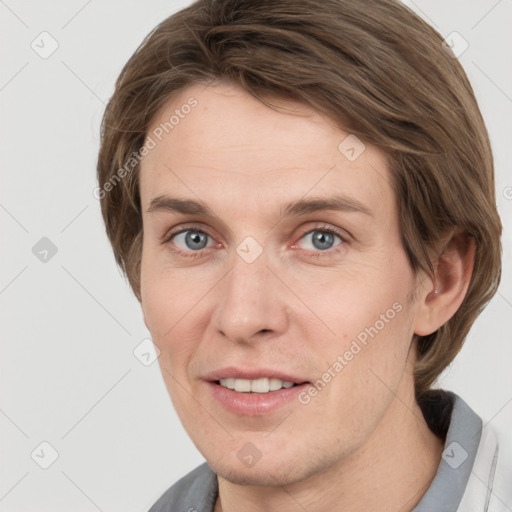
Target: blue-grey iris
[196,240]
[322,240]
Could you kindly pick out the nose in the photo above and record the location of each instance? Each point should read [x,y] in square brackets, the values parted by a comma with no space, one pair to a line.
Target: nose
[252,304]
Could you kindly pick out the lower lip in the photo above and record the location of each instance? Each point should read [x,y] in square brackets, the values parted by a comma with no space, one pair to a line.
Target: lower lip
[254,404]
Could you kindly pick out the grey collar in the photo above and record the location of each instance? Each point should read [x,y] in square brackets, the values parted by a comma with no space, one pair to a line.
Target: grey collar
[461,445]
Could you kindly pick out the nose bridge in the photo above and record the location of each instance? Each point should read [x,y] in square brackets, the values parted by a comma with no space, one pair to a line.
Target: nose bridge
[250,303]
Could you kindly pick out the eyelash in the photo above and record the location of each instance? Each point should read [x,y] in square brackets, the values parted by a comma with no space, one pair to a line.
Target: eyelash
[324,228]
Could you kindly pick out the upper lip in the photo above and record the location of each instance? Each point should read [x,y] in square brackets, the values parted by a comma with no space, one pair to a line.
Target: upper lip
[232,372]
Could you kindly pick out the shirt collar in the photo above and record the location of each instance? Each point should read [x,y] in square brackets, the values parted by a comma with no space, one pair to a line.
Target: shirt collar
[444,411]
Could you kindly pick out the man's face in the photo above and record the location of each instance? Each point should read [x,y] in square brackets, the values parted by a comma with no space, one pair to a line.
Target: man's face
[252,289]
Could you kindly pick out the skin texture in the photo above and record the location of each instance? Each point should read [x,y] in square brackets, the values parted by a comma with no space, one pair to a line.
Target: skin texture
[362,442]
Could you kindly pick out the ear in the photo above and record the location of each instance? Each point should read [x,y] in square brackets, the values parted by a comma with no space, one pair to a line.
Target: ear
[439,300]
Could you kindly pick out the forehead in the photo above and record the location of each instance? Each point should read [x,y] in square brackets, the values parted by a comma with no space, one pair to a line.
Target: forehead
[230,145]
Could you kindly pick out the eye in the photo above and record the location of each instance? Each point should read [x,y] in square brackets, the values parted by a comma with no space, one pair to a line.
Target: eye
[321,239]
[191,240]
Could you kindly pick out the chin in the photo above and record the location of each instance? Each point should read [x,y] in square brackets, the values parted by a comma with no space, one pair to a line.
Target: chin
[266,477]
[273,472]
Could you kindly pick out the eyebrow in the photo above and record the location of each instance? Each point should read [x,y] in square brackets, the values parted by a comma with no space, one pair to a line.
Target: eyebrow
[174,204]
[334,203]
[295,208]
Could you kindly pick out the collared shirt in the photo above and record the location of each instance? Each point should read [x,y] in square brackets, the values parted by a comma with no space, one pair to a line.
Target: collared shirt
[472,476]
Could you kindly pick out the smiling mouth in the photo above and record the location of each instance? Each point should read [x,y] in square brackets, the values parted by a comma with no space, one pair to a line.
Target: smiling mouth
[256,386]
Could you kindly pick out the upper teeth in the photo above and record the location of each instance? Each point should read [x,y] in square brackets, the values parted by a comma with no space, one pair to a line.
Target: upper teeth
[255,386]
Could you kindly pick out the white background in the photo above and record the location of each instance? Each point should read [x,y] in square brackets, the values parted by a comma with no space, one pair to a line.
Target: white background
[69,326]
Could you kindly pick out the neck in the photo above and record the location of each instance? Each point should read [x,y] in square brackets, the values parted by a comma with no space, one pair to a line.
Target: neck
[390,472]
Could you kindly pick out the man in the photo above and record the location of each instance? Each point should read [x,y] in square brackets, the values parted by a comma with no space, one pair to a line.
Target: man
[301,194]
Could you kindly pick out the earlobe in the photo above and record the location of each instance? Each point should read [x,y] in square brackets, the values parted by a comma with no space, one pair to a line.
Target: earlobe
[448,286]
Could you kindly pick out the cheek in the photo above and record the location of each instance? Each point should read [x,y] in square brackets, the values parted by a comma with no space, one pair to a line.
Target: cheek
[173,308]
[367,322]
[350,300]
[165,292]
[158,301]
[360,370]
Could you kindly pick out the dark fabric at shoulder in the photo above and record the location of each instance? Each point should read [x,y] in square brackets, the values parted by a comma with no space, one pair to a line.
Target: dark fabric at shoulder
[195,492]
[437,406]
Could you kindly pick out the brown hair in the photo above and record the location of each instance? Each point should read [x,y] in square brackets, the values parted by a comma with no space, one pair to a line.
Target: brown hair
[375,68]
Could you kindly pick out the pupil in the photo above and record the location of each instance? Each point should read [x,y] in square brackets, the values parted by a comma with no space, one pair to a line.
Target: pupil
[322,240]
